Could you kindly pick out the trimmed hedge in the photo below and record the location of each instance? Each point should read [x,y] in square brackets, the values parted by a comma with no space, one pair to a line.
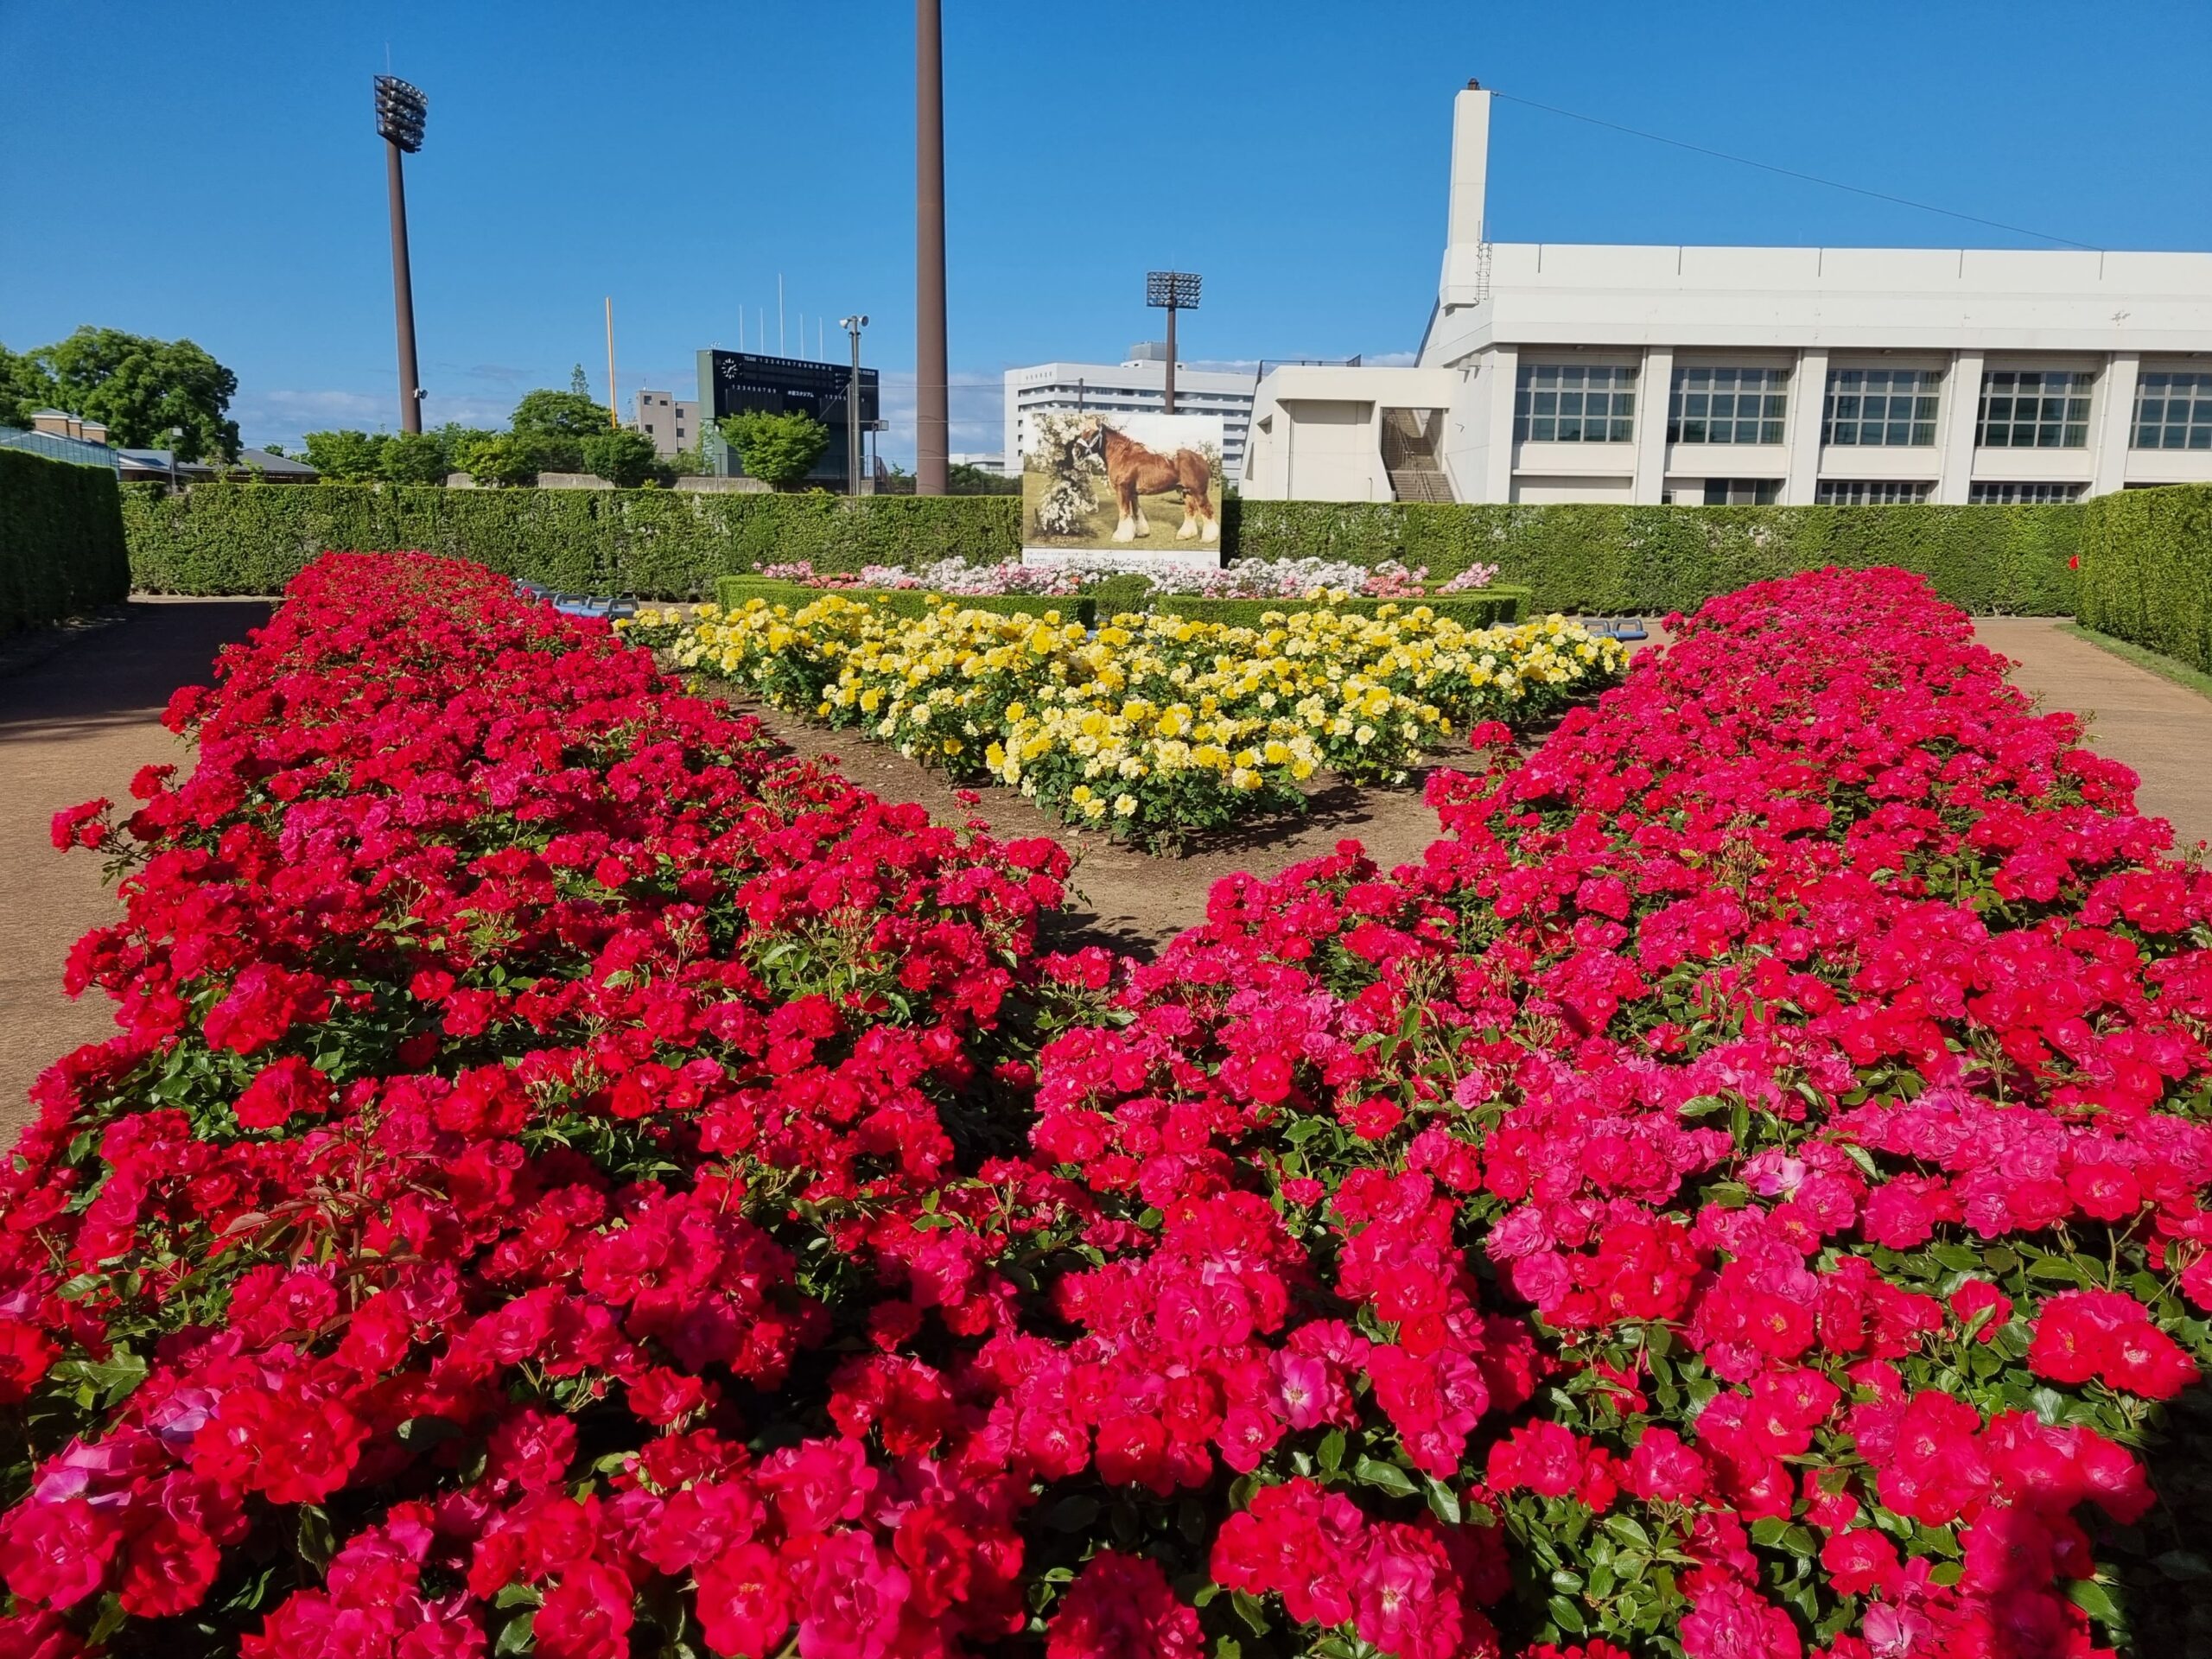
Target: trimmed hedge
[1587,557]
[1473,610]
[253,538]
[1612,560]
[61,542]
[732,592]
[2146,569]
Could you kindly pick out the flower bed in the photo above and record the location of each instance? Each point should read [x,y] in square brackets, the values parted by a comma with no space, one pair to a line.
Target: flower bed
[1153,727]
[561,1186]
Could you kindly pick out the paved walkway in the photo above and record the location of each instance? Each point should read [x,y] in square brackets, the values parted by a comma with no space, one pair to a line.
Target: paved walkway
[2163,730]
[75,725]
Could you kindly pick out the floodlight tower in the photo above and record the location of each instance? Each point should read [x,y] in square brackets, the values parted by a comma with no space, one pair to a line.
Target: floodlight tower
[1174,290]
[853,325]
[400,111]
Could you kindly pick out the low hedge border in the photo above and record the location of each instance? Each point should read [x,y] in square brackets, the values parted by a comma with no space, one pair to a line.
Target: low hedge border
[732,592]
[2146,570]
[61,542]
[1486,609]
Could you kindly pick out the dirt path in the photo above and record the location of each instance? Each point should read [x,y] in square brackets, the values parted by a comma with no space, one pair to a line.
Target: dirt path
[74,724]
[2163,730]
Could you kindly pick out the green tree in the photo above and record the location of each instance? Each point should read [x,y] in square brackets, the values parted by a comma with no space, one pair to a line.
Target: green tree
[778,450]
[623,457]
[347,456]
[144,389]
[26,385]
[499,459]
[413,458]
[560,414]
[965,479]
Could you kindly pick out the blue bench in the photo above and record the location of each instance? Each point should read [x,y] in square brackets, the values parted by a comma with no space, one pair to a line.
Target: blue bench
[1614,627]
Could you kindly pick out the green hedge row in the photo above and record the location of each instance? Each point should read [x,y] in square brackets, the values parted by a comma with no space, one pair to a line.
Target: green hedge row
[62,544]
[732,592]
[664,544]
[1482,610]
[1598,557]
[2146,569]
[253,538]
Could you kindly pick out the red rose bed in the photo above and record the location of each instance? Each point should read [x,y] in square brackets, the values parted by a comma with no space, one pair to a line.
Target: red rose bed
[571,1179]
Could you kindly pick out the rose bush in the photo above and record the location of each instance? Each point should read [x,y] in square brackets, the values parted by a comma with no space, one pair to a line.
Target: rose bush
[570,1180]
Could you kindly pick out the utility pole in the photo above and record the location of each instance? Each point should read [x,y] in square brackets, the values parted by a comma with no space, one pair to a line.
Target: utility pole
[853,325]
[400,111]
[932,376]
[1175,290]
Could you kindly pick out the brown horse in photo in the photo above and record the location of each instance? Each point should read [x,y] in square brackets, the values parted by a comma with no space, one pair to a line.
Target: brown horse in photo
[1136,472]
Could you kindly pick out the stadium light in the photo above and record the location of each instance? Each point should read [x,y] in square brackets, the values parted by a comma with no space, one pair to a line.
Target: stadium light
[853,325]
[1172,291]
[401,109]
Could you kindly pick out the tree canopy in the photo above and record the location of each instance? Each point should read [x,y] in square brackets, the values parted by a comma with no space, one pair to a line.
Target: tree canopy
[621,456]
[778,449]
[560,414]
[144,389]
[26,385]
[347,456]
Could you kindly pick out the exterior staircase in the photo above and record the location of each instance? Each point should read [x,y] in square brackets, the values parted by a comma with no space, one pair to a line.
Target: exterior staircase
[1412,454]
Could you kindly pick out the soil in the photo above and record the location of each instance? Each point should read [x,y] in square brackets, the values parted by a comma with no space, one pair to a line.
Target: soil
[1125,899]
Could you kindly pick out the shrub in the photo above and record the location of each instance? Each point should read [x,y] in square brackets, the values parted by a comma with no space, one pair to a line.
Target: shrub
[61,541]
[1485,609]
[413,458]
[2146,569]
[1597,557]
[777,447]
[622,457]
[732,592]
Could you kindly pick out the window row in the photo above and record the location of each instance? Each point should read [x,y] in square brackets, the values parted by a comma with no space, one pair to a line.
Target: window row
[2019,408]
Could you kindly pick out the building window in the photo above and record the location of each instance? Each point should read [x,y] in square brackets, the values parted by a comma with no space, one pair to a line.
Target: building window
[1574,403]
[2022,495]
[1726,406]
[1891,407]
[2034,409]
[1871,491]
[1742,491]
[2173,412]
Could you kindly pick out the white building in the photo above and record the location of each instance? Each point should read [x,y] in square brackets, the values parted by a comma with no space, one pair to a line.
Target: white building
[1577,373]
[983,460]
[1137,384]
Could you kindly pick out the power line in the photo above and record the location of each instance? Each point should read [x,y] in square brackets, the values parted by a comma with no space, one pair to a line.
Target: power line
[1791,173]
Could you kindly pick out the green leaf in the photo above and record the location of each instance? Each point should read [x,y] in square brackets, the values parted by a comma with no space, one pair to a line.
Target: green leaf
[1768,1530]
[1330,1452]
[1443,1502]
[1386,1477]
[1251,1609]
[1072,1514]
[514,1636]
[316,1541]
[2093,1599]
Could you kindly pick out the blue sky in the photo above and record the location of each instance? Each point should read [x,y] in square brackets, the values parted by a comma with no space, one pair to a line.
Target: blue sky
[212,172]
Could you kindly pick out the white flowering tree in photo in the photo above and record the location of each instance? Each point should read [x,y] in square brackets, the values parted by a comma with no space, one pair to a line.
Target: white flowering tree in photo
[1072,468]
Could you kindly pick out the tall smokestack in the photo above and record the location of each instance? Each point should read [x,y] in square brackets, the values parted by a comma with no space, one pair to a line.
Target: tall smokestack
[1470,164]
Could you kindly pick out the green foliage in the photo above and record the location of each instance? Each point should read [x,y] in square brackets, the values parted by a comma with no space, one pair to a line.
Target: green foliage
[1474,610]
[144,388]
[61,542]
[2146,569]
[25,385]
[778,450]
[1597,557]
[665,544]
[253,538]
[732,592]
[966,479]
[501,459]
[560,414]
[621,456]
[347,456]
[412,458]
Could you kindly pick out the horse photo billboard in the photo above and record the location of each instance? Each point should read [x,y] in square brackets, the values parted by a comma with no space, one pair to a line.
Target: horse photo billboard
[1122,483]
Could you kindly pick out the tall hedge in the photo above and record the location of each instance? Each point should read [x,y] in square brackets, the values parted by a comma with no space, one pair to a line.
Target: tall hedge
[252,538]
[236,538]
[61,542]
[2146,569]
[1599,557]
